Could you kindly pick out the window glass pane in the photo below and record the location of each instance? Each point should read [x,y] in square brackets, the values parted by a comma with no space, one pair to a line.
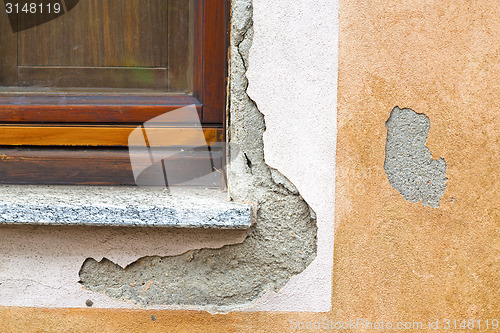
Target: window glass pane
[97,45]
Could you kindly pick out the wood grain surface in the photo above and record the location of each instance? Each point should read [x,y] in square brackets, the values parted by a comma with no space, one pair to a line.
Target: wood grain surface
[104,136]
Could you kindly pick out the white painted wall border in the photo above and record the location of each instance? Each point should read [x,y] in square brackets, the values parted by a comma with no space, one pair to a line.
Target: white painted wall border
[293,77]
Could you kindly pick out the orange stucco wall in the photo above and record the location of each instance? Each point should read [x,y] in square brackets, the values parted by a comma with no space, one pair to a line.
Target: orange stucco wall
[394,260]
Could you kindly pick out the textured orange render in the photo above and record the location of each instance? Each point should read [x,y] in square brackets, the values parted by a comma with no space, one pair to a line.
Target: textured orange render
[394,260]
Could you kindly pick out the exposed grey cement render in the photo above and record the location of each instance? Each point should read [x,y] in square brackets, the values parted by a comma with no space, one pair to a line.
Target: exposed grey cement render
[122,206]
[280,245]
[408,162]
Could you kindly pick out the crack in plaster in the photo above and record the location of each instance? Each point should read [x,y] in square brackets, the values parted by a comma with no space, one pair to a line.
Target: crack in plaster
[30,283]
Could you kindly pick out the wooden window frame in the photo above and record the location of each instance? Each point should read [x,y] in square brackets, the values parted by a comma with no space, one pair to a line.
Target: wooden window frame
[27,158]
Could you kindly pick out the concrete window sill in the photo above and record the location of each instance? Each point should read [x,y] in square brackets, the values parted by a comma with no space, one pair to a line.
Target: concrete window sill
[121,207]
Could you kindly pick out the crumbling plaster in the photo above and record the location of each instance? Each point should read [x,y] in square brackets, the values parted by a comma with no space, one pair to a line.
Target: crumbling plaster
[408,162]
[287,223]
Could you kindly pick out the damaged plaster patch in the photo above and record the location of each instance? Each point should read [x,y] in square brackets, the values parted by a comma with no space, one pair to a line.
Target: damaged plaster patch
[280,245]
[408,162]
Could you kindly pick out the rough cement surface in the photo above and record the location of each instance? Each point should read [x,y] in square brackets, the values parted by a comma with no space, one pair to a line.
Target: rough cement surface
[281,244]
[122,206]
[408,162]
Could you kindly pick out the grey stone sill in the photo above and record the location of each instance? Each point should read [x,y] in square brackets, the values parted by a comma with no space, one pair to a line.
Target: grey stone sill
[121,206]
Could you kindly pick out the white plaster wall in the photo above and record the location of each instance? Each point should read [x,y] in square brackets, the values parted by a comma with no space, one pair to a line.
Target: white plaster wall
[39,265]
[293,79]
